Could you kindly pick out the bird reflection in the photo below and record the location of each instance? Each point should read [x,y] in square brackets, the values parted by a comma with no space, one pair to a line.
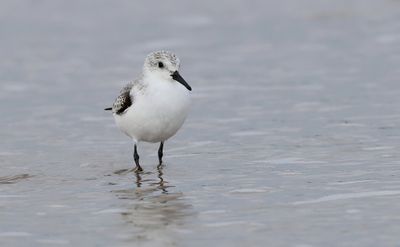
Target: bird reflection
[138,179]
[153,209]
[161,184]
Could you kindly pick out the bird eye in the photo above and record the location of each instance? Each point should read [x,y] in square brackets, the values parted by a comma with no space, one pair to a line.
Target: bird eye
[160,65]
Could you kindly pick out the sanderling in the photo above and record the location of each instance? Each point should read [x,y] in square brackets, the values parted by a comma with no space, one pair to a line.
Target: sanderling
[153,107]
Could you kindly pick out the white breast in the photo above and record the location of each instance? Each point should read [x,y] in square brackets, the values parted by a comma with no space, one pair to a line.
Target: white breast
[157,112]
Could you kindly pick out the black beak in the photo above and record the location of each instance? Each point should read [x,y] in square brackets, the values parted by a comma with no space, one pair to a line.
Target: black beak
[177,77]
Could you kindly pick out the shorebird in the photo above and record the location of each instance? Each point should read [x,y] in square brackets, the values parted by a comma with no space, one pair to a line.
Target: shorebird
[153,107]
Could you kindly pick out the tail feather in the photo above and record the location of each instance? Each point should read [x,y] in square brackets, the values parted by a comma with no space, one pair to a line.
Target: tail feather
[108,109]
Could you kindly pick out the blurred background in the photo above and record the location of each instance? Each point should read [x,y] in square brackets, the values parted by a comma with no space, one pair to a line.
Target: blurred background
[293,137]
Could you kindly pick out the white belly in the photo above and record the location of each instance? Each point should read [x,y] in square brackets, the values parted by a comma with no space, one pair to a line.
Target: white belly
[157,114]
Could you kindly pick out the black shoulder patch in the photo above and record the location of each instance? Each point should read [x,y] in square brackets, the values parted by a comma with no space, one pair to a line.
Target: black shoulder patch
[124,101]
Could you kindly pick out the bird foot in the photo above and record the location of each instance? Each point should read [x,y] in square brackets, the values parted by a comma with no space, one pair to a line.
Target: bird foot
[137,169]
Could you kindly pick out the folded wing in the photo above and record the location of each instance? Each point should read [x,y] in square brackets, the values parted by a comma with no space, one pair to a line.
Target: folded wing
[123,101]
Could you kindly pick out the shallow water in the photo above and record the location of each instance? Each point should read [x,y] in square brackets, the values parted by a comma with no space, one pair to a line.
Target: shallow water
[293,138]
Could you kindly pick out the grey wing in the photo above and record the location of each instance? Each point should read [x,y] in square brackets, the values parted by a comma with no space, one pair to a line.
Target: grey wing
[123,101]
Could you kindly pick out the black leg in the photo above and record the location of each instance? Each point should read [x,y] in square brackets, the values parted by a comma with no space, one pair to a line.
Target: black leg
[136,158]
[160,152]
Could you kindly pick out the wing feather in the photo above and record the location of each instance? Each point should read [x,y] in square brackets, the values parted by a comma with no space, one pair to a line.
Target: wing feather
[123,101]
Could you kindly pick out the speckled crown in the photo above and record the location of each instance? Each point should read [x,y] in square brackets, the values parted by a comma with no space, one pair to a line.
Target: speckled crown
[153,58]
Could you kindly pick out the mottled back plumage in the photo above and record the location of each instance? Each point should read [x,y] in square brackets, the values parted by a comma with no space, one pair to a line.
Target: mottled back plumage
[124,100]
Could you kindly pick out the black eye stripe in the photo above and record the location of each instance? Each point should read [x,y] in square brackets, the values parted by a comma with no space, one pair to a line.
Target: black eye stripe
[160,65]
